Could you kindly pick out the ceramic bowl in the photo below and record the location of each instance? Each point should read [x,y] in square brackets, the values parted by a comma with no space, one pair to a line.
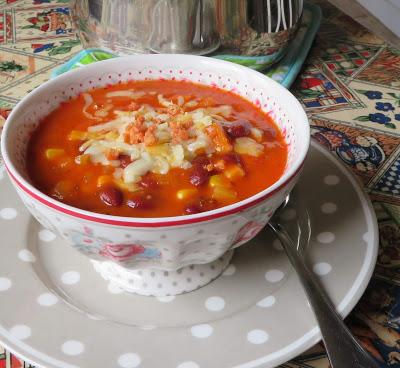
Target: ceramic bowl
[129,250]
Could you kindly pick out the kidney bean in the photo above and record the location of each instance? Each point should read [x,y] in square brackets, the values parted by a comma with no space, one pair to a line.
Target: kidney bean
[202,205]
[238,128]
[199,175]
[192,209]
[125,160]
[202,160]
[144,202]
[111,196]
[232,158]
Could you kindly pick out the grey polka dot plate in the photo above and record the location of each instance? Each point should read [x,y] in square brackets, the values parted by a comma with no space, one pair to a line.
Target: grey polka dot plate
[57,312]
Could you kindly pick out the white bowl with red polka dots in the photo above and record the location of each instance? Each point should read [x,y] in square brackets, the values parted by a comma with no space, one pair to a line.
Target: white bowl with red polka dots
[122,246]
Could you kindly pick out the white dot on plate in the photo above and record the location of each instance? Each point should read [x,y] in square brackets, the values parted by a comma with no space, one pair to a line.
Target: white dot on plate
[70,277]
[201,331]
[288,214]
[328,208]
[21,332]
[366,237]
[257,336]
[277,244]
[188,365]
[47,299]
[331,180]
[8,213]
[230,270]
[129,360]
[46,235]
[166,299]
[72,347]
[322,268]
[326,237]
[114,288]
[215,303]
[267,302]
[274,275]
[5,283]
[26,255]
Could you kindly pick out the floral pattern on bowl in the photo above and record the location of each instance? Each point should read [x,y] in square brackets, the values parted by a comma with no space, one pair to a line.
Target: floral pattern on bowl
[124,252]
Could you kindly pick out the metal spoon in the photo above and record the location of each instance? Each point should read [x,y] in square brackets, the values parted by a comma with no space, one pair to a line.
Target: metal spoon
[343,349]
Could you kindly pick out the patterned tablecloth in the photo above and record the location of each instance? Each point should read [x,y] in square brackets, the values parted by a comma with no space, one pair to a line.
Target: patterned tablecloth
[350,88]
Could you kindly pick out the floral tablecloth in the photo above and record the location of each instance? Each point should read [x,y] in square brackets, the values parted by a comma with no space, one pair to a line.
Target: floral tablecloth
[350,88]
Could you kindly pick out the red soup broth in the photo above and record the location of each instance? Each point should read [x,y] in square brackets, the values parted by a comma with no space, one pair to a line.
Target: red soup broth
[155,149]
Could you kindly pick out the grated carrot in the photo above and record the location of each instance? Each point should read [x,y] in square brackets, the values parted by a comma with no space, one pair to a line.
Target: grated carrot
[219,138]
[150,138]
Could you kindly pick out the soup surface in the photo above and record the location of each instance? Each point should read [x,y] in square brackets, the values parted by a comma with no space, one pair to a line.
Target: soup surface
[155,149]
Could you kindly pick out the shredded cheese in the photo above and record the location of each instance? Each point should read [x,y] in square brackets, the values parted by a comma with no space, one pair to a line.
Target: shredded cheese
[125,93]
[88,101]
[154,139]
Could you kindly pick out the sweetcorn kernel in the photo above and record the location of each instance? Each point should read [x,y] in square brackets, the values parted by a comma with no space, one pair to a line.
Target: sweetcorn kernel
[223,194]
[63,189]
[219,181]
[234,172]
[76,135]
[103,180]
[159,149]
[53,153]
[185,194]
[248,146]
[257,134]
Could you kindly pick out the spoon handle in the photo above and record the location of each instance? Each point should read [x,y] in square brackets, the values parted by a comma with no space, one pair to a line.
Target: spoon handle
[343,349]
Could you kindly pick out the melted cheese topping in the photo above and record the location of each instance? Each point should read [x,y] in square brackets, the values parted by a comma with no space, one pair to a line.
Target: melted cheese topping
[157,139]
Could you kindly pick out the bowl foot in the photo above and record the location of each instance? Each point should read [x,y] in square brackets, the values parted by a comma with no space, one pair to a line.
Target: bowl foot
[153,282]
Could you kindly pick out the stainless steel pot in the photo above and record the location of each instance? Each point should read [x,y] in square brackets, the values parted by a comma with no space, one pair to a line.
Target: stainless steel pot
[257,27]
[244,27]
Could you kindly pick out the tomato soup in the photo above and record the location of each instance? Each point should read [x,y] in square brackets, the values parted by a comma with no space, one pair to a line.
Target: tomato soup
[155,149]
